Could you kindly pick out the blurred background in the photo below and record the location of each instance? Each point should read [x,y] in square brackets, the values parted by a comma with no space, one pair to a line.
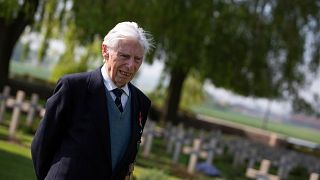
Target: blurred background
[248,69]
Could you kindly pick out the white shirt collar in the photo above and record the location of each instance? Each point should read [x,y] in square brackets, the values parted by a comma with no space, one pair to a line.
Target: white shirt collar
[108,83]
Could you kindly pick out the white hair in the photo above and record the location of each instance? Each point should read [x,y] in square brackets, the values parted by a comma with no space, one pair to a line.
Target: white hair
[128,30]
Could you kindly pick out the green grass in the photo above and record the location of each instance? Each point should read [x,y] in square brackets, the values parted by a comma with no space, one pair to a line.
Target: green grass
[15,159]
[16,163]
[278,127]
[22,68]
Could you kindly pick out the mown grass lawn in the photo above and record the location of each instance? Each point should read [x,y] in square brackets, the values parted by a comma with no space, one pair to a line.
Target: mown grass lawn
[25,68]
[278,127]
[16,163]
[15,158]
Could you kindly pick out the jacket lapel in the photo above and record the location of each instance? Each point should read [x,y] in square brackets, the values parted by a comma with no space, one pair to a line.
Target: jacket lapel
[136,115]
[98,100]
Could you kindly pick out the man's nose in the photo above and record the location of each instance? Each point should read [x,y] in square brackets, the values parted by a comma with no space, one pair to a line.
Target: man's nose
[130,63]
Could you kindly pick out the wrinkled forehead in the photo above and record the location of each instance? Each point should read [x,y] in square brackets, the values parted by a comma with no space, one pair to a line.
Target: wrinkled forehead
[130,45]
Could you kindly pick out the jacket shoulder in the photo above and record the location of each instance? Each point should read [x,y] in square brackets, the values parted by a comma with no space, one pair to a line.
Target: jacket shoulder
[76,77]
[141,95]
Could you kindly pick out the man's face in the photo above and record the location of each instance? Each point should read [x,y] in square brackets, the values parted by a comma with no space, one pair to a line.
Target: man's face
[124,61]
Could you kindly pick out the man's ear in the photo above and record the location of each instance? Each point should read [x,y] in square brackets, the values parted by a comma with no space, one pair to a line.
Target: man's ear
[104,51]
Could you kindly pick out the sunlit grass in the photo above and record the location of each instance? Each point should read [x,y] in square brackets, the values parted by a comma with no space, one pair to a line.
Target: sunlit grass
[278,127]
[22,68]
[15,162]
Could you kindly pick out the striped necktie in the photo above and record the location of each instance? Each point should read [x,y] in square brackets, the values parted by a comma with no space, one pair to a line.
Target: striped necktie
[118,92]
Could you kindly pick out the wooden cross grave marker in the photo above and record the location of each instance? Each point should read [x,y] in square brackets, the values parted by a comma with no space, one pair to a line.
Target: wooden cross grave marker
[262,173]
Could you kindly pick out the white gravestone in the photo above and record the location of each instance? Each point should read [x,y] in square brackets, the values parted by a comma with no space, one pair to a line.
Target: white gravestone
[33,107]
[15,115]
[3,98]
[262,173]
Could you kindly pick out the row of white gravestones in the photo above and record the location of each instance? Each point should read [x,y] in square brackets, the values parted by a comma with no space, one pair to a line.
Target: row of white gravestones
[249,152]
[285,165]
[18,105]
[203,151]
[311,163]
[241,152]
[286,162]
[178,135]
[195,152]
[15,115]
[212,148]
[208,150]
[262,173]
[3,99]
[150,131]
[179,140]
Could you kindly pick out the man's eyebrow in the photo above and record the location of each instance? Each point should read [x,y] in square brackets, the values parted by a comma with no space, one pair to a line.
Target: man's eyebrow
[121,52]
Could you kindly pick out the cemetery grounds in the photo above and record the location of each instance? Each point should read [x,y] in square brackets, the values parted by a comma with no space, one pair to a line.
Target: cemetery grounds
[16,164]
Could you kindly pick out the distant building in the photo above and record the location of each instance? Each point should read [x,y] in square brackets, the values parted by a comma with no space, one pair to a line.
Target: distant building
[304,120]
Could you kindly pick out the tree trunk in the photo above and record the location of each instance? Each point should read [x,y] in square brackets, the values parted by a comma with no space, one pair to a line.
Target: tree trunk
[171,108]
[10,31]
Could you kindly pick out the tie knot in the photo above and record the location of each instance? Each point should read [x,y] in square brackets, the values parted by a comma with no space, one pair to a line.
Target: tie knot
[117,92]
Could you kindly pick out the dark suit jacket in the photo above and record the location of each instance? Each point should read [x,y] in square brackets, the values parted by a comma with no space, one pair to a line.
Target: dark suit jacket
[73,140]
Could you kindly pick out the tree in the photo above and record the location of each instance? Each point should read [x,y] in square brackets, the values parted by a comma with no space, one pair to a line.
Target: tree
[254,48]
[14,17]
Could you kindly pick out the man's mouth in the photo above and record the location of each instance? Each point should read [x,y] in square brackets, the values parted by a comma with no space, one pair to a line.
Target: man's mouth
[126,74]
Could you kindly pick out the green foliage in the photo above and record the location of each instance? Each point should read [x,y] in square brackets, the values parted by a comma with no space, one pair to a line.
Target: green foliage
[98,17]
[224,164]
[298,172]
[153,174]
[25,52]
[52,24]
[159,94]
[300,105]
[192,92]
[252,48]
[69,64]
[11,9]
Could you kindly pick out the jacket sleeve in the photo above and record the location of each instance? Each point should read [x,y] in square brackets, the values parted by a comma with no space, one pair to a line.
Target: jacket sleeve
[52,128]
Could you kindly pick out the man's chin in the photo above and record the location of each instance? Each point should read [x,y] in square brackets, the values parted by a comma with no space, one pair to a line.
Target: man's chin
[120,84]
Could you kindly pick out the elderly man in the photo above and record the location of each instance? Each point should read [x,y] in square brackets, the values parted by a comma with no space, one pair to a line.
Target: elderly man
[94,120]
